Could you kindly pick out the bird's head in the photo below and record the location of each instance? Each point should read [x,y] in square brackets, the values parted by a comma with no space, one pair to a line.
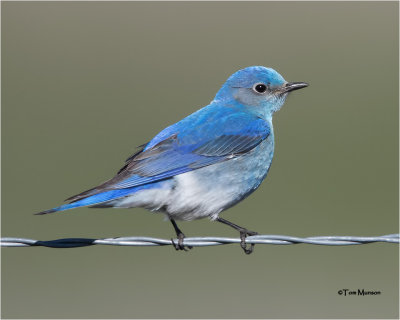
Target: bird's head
[258,87]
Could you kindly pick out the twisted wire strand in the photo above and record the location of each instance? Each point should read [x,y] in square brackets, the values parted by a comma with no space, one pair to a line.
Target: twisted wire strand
[198,241]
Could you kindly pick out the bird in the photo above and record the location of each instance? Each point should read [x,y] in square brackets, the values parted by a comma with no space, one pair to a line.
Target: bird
[205,163]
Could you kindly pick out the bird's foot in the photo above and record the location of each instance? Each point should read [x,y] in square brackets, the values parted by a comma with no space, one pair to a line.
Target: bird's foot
[179,245]
[243,234]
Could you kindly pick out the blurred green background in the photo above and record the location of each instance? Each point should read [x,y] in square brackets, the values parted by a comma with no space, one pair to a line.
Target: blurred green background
[84,83]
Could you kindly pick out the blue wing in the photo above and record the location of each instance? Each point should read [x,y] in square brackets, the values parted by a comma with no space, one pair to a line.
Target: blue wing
[207,137]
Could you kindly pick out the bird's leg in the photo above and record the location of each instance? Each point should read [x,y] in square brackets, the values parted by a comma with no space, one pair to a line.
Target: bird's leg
[180,235]
[243,234]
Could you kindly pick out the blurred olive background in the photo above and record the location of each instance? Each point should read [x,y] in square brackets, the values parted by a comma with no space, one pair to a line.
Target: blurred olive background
[84,83]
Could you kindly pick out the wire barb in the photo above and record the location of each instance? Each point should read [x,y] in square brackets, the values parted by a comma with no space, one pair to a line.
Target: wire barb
[198,241]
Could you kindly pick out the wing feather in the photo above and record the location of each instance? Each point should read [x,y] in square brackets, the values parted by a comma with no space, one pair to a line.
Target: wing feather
[187,150]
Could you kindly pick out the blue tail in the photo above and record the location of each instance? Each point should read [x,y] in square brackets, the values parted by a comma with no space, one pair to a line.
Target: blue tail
[99,198]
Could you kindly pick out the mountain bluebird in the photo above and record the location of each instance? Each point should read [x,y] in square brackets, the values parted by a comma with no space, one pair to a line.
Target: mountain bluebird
[205,163]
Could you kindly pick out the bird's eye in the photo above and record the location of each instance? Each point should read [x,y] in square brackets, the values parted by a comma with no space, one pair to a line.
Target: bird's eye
[260,87]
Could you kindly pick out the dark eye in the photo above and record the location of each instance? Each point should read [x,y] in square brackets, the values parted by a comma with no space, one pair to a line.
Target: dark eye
[260,88]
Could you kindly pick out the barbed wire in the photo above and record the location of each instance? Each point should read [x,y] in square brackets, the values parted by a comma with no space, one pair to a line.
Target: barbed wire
[198,241]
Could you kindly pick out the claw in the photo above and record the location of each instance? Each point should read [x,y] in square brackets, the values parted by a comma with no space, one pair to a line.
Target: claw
[243,234]
[179,245]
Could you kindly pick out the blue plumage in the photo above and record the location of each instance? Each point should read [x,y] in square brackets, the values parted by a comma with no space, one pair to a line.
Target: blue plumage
[206,162]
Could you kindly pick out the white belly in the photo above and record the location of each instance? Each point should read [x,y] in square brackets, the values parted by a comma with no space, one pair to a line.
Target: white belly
[207,191]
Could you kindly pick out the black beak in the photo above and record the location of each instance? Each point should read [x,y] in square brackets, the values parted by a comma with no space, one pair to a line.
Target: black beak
[291,86]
